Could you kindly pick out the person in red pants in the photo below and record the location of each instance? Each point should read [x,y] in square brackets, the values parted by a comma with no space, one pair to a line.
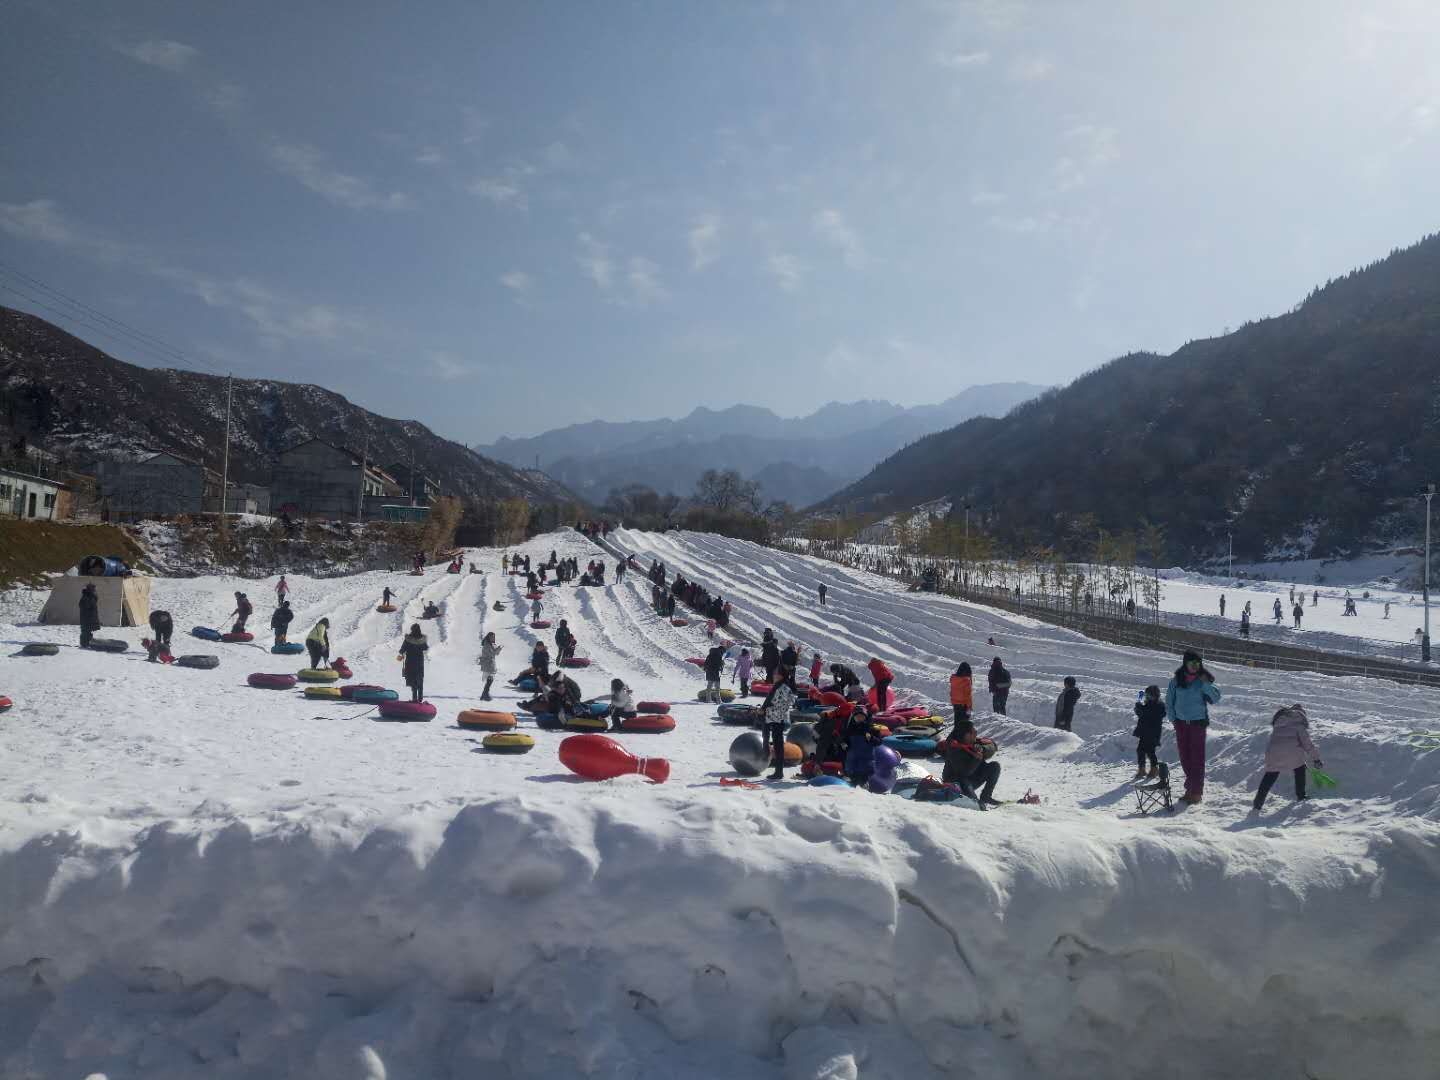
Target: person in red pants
[1188,699]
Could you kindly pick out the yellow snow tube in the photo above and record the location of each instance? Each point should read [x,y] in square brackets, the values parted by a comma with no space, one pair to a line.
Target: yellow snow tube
[311,674]
[508,742]
[586,723]
[326,693]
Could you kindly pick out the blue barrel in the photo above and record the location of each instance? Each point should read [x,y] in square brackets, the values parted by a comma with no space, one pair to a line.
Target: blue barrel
[103,566]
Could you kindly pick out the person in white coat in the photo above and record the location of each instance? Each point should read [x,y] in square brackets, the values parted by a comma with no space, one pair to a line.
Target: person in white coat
[1289,748]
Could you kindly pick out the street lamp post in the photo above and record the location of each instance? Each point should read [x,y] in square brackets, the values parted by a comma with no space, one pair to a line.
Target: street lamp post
[1425,641]
[965,562]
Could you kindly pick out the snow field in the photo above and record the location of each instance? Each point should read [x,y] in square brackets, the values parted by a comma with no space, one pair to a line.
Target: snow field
[198,877]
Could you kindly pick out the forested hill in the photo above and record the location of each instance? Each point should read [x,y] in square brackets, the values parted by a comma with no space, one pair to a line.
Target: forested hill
[1309,434]
[64,395]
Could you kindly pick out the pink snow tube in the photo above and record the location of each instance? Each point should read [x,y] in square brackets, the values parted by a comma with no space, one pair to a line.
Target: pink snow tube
[536,595]
[407,710]
[657,708]
[540,624]
[233,638]
[261,681]
[575,661]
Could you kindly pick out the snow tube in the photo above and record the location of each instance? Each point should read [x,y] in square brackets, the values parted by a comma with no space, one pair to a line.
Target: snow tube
[107,644]
[198,660]
[739,714]
[417,573]
[793,754]
[101,566]
[595,708]
[831,768]
[712,696]
[828,781]
[362,696]
[575,661]
[509,742]
[385,609]
[262,681]
[540,624]
[547,721]
[342,669]
[698,661]
[484,720]
[240,638]
[5,704]
[311,674]
[585,723]
[348,692]
[529,684]
[677,621]
[536,595]
[39,648]
[648,724]
[407,710]
[322,693]
[204,633]
[290,648]
[911,746]
[760,688]
[659,708]
[809,705]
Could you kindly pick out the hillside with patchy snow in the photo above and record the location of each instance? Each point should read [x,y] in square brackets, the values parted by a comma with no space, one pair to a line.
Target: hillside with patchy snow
[200,878]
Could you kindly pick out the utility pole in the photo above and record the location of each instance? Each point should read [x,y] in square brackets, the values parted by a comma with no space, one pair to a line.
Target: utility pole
[412,471]
[965,559]
[1230,559]
[1425,641]
[225,460]
[360,496]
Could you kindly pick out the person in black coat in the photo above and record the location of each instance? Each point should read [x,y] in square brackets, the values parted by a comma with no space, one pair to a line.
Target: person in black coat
[844,678]
[412,653]
[1149,723]
[1065,704]
[967,763]
[769,655]
[790,656]
[89,615]
[714,669]
[161,627]
[280,622]
[564,641]
[999,680]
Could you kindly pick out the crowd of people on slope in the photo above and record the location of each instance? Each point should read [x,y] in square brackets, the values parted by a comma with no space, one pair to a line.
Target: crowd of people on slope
[692,594]
[593,530]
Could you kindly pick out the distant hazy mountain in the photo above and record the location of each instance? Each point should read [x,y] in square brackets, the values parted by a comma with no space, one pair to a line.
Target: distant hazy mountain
[799,460]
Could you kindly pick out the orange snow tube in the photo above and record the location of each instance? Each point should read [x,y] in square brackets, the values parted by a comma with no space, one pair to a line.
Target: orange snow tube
[484,720]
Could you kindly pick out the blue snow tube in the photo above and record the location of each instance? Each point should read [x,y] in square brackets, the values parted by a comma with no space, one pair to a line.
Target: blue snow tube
[810,705]
[102,566]
[204,633]
[528,684]
[547,721]
[915,746]
[598,708]
[373,697]
[288,648]
[828,781]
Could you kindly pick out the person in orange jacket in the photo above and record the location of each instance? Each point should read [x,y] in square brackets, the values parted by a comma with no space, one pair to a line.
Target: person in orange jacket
[883,678]
[962,692]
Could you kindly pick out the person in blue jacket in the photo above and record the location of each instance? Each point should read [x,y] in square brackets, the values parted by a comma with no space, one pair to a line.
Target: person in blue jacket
[1188,699]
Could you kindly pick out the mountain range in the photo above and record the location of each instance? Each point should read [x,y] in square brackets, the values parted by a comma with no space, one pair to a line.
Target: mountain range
[1306,435]
[797,460]
[68,397]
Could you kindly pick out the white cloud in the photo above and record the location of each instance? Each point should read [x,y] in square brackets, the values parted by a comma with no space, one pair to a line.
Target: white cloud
[307,165]
[1031,69]
[170,55]
[430,155]
[517,281]
[643,277]
[225,97]
[830,225]
[787,270]
[275,317]
[595,262]
[557,156]
[1026,224]
[1091,149]
[962,60]
[499,191]
[703,236]
[447,367]
[985,197]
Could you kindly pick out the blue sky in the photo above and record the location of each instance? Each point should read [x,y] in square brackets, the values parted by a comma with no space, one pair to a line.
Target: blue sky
[501,218]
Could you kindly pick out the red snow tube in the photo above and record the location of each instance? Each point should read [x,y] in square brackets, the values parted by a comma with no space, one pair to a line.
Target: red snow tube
[539,624]
[575,661]
[407,710]
[648,725]
[341,668]
[348,692]
[536,595]
[261,681]
[244,635]
[761,688]
[698,661]
[677,621]
[5,703]
[659,708]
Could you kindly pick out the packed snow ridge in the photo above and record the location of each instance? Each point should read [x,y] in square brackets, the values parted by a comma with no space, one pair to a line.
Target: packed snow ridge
[202,879]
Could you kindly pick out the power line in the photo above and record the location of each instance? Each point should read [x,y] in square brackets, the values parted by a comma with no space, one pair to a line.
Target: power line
[94,319]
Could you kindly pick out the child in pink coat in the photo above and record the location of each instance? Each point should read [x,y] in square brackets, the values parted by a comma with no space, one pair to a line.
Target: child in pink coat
[1290,748]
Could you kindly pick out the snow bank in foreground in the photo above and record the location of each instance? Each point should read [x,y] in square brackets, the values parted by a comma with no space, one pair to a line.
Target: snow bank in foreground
[631,932]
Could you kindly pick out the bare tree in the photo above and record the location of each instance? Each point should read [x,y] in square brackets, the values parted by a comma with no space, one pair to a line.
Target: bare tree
[727,492]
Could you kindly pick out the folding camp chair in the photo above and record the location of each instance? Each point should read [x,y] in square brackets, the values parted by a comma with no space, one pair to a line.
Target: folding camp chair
[1157,795]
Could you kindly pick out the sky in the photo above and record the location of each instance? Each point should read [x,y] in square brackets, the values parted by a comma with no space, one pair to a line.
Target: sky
[501,218]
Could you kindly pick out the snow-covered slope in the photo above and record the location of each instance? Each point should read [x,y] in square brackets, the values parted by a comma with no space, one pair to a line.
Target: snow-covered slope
[198,878]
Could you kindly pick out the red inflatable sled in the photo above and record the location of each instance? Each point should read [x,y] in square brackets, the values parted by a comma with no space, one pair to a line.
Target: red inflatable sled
[599,757]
